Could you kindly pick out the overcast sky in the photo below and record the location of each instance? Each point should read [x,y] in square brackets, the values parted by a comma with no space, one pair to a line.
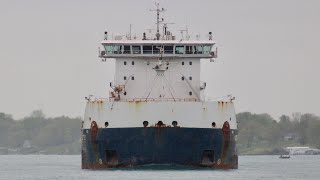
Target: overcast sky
[268,51]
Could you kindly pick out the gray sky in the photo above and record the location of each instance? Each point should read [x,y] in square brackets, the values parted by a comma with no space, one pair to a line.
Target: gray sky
[268,51]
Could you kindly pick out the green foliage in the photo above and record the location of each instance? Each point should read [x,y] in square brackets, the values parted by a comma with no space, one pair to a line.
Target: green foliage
[56,135]
[6,122]
[261,134]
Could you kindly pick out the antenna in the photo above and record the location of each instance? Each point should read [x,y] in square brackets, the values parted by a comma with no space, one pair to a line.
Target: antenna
[165,27]
[197,37]
[149,33]
[181,31]
[130,32]
[187,33]
[158,10]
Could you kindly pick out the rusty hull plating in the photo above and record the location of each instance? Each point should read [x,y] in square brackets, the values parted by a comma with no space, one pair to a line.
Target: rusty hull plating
[122,147]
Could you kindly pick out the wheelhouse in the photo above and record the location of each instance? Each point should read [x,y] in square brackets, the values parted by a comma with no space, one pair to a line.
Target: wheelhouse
[202,49]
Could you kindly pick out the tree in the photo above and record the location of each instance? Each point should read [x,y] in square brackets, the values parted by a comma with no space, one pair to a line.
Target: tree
[6,122]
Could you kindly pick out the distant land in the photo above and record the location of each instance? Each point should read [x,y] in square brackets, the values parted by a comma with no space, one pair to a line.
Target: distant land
[259,134]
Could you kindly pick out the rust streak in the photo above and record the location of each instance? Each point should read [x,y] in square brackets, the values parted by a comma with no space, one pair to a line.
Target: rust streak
[226,140]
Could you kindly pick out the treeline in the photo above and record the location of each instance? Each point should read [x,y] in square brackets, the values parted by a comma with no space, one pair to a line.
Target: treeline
[261,134]
[258,133]
[38,134]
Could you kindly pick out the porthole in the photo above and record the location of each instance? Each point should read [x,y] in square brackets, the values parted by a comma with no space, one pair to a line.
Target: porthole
[145,123]
[213,124]
[132,62]
[190,63]
[182,63]
[106,124]
[125,93]
[125,78]
[132,77]
[190,93]
[182,78]
[125,62]
[190,78]
[174,123]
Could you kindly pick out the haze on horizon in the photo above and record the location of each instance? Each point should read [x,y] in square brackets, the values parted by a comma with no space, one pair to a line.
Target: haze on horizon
[268,51]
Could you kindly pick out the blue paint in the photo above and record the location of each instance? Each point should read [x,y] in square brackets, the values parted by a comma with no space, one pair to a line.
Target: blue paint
[141,146]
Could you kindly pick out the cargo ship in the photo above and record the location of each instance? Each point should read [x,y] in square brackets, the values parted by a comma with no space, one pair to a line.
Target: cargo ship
[157,112]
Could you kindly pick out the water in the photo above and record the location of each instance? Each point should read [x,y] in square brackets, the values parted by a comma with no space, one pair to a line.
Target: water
[68,167]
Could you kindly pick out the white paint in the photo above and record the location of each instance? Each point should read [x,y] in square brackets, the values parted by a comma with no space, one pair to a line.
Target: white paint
[132,114]
[149,88]
[136,75]
[170,85]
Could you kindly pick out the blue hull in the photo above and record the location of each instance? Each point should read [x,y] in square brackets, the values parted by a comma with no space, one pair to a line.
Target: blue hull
[120,147]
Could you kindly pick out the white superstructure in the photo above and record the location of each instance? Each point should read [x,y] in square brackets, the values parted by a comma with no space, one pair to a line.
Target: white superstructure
[157,78]
[139,75]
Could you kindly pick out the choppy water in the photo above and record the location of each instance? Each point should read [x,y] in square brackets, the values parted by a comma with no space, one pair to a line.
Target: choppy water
[68,167]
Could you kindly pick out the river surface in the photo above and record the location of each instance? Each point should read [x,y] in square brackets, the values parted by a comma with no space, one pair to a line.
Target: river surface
[55,167]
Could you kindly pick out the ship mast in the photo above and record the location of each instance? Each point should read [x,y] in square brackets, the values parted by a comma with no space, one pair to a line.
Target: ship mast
[158,10]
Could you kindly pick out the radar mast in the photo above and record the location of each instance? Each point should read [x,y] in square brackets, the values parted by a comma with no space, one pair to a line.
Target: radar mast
[158,10]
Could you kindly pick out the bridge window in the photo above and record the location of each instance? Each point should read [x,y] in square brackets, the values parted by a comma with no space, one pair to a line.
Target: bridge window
[147,49]
[155,49]
[207,49]
[179,50]
[117,49]
[198,50]
[189,49]
[136,49]
[126,50]
[114,49]
[168,49]
[109,49]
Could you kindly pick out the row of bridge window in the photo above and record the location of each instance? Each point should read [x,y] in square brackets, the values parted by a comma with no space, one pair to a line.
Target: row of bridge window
[132,63]
[155,49]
